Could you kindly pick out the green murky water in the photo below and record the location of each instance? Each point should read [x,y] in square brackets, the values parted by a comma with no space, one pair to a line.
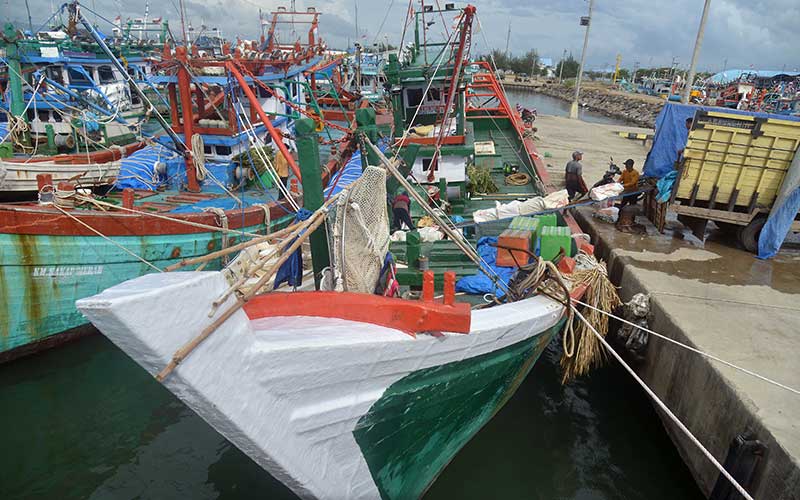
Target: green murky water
[84,421]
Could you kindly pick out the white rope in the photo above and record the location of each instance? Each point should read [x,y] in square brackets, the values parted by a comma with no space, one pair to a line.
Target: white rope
[256,140]
[697,351]
[98,233]
[171,219]
[666,409]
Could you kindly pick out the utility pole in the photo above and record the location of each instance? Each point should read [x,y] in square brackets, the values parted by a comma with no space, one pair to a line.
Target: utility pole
[692,66]
[508,38]
[585,21]
[561,68]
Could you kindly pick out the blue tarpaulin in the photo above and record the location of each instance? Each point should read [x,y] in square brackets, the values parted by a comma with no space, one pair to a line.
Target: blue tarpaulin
[783,213]
[291,271]
[138,171]
[351,172]
[480,283]
[671,135]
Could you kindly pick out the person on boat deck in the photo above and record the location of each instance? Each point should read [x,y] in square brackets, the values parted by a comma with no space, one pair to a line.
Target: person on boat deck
[629,180]
[401,213]
[573,177]
[282,169]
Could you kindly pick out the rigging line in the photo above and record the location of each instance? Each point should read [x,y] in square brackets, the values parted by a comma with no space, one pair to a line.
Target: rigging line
[695,350]
[164,217]
[377,33]
[665,408]
[430,82]
[403,35]
[508,141]
[98,233]
[267,162]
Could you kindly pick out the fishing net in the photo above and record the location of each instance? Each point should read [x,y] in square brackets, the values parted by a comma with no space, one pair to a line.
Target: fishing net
[360,235]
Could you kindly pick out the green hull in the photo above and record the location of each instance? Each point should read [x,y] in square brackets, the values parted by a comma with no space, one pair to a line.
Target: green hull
[420,422]
[41,277]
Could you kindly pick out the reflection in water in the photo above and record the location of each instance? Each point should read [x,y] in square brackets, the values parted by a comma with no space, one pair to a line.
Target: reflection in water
[84,421]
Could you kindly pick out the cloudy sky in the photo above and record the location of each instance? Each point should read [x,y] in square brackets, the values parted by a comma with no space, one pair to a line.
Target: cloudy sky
[760,34]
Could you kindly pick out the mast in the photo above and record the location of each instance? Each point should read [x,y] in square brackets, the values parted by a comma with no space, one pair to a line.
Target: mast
[146,14]
[183,22]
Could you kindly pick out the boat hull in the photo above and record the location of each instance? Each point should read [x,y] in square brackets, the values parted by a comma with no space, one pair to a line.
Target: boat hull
[41,277]
[333,408]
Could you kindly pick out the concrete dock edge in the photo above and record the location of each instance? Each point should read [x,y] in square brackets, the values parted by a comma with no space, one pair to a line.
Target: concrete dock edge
[696,390]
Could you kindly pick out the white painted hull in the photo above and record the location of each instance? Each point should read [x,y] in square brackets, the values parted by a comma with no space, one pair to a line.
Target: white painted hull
[290,391]
[22,176]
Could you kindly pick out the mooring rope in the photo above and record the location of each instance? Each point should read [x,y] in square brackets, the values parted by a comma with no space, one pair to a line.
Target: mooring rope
[118,245]
[697,351]
[665,408]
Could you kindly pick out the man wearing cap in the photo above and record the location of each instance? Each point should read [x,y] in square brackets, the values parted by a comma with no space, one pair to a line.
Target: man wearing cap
[629,180]
[574,176]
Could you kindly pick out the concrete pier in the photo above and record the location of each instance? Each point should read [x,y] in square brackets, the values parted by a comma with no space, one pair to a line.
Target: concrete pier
[723,301]
[715,297]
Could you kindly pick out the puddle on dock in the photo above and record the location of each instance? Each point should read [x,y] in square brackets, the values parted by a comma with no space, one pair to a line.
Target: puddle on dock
[717,260]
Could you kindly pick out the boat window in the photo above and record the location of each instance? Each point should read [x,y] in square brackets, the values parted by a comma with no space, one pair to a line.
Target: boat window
[434,94]
[426,164]
[262,92]
[105,74]
[207,149]
[223,150]
[77,77]
[54,73]
[413,97]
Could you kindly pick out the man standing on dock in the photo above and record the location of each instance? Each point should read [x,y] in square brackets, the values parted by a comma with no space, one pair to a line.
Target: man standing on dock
[574,176]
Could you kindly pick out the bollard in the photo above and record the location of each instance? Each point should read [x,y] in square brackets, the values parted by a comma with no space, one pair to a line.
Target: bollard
[449,288]
[127,198]
[427,286]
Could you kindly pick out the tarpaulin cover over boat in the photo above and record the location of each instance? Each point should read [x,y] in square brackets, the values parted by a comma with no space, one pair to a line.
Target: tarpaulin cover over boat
[671,135]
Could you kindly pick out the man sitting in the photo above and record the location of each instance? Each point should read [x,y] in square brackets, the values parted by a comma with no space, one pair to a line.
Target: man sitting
[630,181]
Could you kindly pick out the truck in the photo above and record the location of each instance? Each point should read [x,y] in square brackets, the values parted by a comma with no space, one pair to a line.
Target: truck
[733,169]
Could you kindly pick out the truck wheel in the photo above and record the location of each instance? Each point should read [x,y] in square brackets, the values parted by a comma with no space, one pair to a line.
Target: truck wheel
[748,237]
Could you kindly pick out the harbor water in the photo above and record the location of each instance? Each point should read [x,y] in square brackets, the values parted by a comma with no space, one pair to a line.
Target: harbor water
[84,421]
[546,105]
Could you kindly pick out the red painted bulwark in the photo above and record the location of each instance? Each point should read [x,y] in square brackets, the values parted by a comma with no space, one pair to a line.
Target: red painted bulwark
[405,315]
[33,219]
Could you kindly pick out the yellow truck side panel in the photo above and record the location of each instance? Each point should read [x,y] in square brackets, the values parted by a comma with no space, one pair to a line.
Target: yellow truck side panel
[737,154]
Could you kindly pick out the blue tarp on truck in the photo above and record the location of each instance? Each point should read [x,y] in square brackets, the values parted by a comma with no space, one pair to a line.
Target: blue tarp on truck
[671,134]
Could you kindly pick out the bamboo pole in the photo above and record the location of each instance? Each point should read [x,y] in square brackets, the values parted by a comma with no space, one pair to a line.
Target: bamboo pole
[455,236]
[231,249]
[187,348]
[309,226]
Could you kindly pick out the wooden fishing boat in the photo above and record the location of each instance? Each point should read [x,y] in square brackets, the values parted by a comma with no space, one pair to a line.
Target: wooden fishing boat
[345,393]
[334,408]
[185,200]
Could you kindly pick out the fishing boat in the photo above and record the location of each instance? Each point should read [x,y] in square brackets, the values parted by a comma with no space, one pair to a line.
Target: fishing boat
[203,185]
[369,385]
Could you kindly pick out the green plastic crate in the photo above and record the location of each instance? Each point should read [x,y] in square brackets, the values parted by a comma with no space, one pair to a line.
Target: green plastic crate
[547,220]
[553,239]
[531,224]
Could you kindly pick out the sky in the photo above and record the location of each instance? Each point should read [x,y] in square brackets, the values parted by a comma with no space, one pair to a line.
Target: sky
[740,34]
